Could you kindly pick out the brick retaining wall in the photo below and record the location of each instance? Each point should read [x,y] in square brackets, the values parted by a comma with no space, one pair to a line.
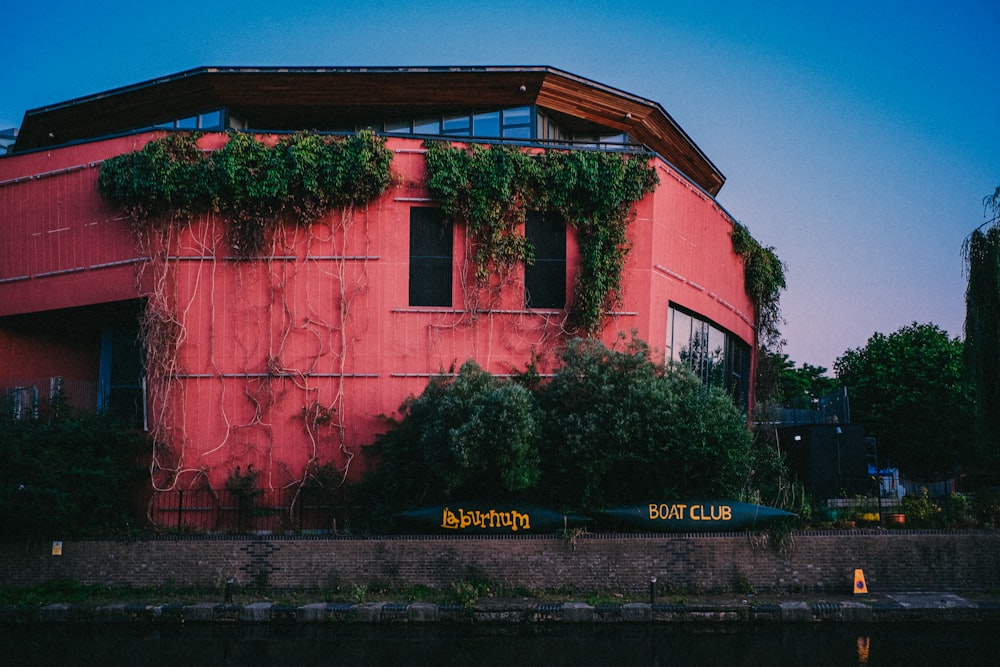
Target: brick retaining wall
[811,562]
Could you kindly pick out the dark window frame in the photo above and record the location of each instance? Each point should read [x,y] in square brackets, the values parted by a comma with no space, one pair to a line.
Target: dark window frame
[545,276]
[431,258]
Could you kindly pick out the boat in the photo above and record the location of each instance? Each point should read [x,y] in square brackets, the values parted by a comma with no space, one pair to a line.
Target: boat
[692,516]
[492,518]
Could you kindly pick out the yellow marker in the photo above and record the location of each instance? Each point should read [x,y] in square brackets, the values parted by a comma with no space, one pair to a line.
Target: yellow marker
[860,587]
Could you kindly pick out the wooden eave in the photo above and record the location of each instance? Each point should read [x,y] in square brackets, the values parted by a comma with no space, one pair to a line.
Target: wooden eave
[340,98]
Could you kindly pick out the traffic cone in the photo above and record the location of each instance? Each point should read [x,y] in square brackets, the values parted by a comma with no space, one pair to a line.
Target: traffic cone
[860,587]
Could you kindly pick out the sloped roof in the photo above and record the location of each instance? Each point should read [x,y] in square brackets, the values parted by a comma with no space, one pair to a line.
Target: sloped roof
[318,98]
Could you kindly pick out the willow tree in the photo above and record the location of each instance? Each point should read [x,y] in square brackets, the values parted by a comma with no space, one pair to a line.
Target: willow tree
[982,323]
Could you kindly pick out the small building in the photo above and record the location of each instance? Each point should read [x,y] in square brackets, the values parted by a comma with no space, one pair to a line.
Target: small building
[291,357]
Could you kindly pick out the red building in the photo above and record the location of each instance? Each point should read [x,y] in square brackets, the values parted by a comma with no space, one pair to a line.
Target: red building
[292,356]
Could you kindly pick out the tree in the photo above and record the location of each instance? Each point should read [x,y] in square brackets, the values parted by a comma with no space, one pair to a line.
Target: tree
[799,386]
[982,325]
[619,429]
[908,390]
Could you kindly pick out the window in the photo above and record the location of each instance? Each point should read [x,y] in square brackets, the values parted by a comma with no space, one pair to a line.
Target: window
[460,125]
[719,358]
[486,124]
[545,278]
[430,258]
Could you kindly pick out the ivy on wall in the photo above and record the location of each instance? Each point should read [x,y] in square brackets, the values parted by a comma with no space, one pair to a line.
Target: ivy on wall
[252,183]
[764,279]
[490,190]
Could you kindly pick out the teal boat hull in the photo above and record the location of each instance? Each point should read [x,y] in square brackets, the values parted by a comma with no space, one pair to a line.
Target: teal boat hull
[692,516]
[491,518]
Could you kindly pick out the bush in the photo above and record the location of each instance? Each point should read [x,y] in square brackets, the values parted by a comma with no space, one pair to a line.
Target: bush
[72,477]
[610,427]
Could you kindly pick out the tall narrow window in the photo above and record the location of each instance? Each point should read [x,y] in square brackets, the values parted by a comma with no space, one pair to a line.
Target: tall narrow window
[716,356]
[545,278]
[430,258]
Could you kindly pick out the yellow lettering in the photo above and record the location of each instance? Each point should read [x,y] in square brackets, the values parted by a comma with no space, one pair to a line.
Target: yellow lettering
[491,519]
[449,520]
[667,512]
[697,512]
[727,513]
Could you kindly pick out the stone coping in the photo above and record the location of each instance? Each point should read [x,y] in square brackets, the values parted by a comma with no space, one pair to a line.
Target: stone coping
[895,607]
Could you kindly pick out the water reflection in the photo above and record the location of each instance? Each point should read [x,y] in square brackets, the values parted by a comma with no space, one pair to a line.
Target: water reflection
[816,645]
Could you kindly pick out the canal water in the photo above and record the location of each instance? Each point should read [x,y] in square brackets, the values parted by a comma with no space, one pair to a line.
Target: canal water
[440,645]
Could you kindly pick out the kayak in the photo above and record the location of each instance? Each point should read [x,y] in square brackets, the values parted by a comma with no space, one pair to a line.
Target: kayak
[692,516]
[492,518]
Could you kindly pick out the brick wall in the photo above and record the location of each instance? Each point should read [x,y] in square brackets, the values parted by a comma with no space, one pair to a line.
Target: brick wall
[811,561]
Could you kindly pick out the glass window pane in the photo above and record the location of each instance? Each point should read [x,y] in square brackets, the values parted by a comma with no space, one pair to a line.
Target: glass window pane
[430,258]
[682,335]
[189,123]
[545,279]
[517,116]
[456,125]
[517,132]
[398,127]
[211,120]
[486,124]
[427,126]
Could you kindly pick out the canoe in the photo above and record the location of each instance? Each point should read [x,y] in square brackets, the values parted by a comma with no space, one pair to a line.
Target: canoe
[692,516]
[492,518]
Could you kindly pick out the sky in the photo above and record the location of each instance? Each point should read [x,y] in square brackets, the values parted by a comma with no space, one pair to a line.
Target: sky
[858,138]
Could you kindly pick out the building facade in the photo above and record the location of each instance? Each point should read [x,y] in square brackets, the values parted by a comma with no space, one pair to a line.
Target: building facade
[291,357]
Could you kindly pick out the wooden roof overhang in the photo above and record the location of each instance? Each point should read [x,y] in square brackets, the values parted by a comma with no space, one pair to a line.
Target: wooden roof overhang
[316,98]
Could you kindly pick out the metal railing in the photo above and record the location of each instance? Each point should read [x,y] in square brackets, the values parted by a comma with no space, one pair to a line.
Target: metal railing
[271,511]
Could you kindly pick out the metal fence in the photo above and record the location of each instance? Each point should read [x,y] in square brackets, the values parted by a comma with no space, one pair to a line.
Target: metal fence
[272,511]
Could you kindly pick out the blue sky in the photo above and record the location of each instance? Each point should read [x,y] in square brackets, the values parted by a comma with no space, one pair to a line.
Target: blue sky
[858,138]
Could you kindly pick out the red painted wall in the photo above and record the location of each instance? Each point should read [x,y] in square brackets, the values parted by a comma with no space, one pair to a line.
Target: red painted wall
[325,321]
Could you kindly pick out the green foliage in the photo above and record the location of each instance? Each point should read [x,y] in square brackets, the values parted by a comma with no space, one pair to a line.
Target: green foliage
[464,437]
[71,477]
[908,390]
[987,506]
[594,192]
[798,386]
[620,429]
[490,190]
[244,482]
[168,177]
[764,279]
[921,511]
[609,427]
[982,326]
[253,184]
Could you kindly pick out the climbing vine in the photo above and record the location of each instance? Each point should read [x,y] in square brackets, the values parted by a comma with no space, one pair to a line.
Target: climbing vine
[262,191]
[764,279]
[490,189]
[251,183]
